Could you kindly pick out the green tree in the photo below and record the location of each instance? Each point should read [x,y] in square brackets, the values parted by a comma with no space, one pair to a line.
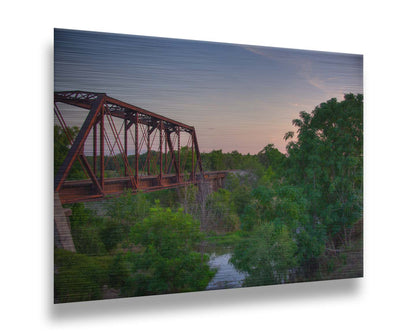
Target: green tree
[129,207]
[123,212]
[78,277]
[272,158]
[240,188]
[188,198]
[217,160]
[168,261]
[267,255]
[327,161]
[221,211]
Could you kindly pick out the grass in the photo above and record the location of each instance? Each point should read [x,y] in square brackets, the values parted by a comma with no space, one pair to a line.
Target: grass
[227,239]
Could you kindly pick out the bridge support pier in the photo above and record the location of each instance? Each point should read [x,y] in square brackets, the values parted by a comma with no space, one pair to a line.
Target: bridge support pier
[62,226]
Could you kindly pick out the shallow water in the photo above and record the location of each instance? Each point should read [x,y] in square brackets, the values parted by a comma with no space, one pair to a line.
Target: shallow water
[227,276]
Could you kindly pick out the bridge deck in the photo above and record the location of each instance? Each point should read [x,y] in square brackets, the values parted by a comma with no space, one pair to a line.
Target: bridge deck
[83,190]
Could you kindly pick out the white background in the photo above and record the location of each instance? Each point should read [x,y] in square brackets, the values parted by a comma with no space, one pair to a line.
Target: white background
[384,31]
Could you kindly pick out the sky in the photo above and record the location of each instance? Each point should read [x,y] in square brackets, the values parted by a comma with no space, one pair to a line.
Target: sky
[238,97]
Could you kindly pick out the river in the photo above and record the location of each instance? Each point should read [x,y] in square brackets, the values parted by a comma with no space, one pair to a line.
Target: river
[227,276]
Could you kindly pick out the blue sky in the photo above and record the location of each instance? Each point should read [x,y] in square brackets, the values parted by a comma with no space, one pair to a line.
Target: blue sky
[238,97]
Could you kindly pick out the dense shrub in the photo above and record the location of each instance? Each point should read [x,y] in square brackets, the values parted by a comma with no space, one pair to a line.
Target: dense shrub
[86,230]
[168,261]
[79,277]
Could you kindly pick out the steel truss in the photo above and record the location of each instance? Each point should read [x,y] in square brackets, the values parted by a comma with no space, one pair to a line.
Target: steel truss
[159,137]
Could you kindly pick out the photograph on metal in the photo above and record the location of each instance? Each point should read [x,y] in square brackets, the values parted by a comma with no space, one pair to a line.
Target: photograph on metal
[184,166]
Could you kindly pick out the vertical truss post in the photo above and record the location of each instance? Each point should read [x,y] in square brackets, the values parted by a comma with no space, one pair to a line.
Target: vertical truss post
[94,148]
[137,149]
[193,161]
[148,150]
[179,155]
[198,154]
[175,164]
[102,148]
[160,151]
[125,145]
[166,152]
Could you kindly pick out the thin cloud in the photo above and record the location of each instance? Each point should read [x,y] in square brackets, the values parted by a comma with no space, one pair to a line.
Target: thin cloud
[262,52]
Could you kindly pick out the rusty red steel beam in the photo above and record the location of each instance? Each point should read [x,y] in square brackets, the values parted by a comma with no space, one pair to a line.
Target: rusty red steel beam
[175,163]
[80,190]
[148,113]
[94,148]
[66,97]
[112,153]
[160,151]
[136,149]
[193,162]
[126,145]
[120,147]
[101,106]
[78,144]
[171,152]
[70,139]
[102,131]
[198,154]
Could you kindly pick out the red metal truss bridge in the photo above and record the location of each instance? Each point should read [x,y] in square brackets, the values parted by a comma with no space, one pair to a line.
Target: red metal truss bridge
[128,148]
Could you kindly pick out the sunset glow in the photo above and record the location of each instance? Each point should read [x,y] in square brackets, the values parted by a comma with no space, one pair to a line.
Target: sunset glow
[238,97]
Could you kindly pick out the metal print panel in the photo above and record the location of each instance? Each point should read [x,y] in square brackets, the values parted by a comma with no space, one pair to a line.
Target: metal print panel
[184,166]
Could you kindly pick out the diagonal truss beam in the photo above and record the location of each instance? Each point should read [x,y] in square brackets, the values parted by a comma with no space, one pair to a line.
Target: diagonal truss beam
[78,145]
[101,106]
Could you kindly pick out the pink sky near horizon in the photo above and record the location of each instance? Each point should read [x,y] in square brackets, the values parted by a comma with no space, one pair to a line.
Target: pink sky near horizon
[238,97]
